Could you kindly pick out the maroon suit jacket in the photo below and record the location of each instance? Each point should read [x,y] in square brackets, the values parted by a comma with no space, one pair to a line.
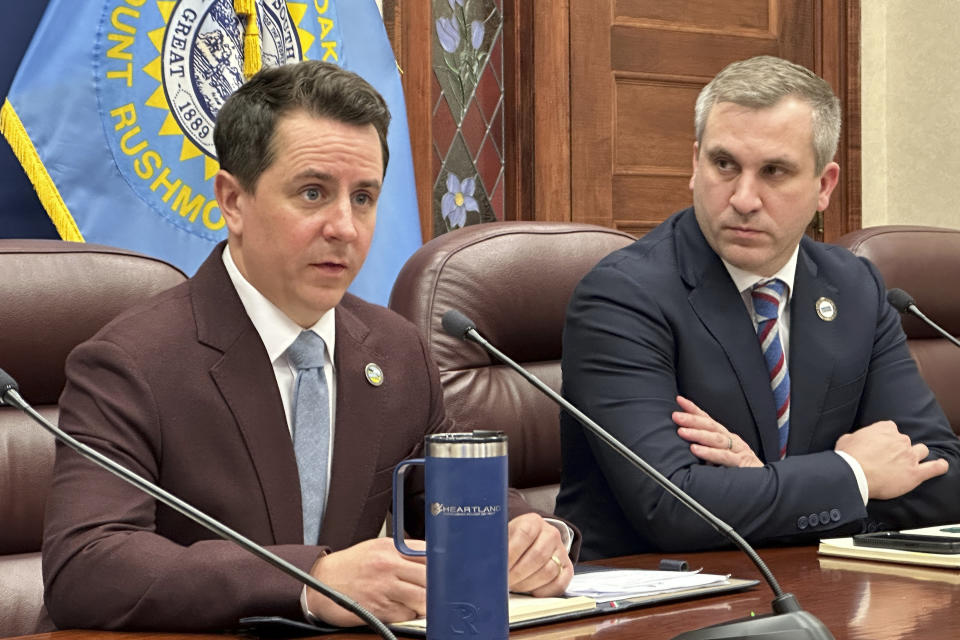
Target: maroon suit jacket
[181,391]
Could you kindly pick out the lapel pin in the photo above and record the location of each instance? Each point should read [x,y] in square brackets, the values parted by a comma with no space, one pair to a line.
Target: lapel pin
[826,309]
[374,374]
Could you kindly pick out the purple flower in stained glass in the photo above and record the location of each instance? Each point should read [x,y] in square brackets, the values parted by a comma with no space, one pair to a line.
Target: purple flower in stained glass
[453,2]
[449,34]
[458,200]
[476,34]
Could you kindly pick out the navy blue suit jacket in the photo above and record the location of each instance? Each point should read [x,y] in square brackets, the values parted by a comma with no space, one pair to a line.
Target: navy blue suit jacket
[662,317]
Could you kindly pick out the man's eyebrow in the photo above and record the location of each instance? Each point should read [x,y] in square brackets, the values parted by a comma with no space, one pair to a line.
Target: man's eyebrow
[315,175]
[323,176]
[714,152]
[782,161]
[369,184]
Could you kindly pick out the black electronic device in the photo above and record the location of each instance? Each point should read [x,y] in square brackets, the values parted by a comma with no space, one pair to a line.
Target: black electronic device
[908,542]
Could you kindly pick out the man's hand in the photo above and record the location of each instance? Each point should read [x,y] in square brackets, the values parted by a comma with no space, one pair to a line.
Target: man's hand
[537,559]
[893,466]
[388,584]
[710,440]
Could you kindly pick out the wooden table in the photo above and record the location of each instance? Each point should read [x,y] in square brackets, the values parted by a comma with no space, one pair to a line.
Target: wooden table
[857,600]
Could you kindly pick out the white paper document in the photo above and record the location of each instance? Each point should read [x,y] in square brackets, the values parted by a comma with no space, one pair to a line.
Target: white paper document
[617,584]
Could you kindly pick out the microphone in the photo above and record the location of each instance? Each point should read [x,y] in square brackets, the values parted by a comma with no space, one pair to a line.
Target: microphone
[903,302]
[788,622]
[10,395]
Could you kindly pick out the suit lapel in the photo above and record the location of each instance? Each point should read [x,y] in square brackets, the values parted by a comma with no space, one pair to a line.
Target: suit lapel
[718,305]
[359,422]
[245,378]
[813,343]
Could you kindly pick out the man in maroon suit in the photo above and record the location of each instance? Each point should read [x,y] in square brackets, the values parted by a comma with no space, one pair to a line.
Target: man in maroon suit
[194,390]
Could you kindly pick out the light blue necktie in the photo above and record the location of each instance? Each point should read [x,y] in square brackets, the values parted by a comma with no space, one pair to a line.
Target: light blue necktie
[311,429]
[767,298]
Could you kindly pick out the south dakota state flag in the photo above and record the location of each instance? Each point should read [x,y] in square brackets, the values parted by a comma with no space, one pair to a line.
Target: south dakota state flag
[112,111]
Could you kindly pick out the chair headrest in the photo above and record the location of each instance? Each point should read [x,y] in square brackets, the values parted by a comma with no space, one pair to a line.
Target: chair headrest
[513,279]
[57,294]
[924,262]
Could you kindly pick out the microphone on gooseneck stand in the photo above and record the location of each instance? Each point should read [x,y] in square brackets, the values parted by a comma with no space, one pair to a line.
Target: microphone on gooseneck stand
[902,302]
[9,395]
[788,621]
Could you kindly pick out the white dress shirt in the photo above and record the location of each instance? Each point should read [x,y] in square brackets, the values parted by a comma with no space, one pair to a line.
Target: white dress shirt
[277,331]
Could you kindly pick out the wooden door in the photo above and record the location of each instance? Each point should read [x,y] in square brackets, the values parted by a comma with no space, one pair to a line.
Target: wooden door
[636,67]
[598,98]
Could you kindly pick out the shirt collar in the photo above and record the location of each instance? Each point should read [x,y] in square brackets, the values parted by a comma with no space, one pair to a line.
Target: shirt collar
[744,280]
[276,329]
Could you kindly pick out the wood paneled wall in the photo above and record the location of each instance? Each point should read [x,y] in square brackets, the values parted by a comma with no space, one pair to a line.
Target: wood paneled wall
[599,98]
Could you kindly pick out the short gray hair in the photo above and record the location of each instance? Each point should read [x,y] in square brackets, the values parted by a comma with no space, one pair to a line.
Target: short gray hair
[762,82]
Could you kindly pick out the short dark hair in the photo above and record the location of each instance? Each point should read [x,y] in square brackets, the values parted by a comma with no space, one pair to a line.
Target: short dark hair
[247,121]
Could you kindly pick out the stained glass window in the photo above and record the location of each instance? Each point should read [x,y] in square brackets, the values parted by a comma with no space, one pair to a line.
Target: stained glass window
[467,98]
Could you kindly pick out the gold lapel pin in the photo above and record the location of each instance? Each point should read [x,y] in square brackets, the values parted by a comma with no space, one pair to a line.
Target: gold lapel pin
[826,309]
[374,374]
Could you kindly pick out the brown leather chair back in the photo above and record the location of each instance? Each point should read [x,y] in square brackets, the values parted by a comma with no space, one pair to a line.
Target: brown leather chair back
[513,279]
[924,262]
[53,296]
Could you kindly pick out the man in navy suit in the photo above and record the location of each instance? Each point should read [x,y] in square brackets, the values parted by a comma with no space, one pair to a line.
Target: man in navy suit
[762,372]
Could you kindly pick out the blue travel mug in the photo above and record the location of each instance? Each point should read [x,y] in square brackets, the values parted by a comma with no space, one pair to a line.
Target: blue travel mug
[466,533]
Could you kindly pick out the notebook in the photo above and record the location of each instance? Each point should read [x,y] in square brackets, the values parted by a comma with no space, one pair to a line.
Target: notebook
[844,547]
[525,611]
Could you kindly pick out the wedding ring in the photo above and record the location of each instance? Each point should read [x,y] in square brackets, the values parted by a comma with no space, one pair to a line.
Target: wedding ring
[559,564]
[729,443]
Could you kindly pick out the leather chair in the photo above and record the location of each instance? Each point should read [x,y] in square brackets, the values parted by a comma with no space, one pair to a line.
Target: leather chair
[53,296]
[513,279]
[924,262]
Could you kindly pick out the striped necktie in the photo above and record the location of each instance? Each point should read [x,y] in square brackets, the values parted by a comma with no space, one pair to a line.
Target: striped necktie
[767,298]
[311,429]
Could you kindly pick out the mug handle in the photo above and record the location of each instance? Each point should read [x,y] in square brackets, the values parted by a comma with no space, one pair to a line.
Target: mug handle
[399,475]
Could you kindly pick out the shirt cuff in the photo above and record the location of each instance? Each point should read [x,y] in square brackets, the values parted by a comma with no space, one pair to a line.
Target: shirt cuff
[858,474]
[566,533]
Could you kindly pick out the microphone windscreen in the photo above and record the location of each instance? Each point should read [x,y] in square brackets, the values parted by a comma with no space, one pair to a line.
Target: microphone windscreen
[456,324]
[899,300]
[6,383]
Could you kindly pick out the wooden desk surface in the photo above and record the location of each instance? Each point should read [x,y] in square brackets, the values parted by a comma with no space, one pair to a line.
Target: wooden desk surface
[857,600]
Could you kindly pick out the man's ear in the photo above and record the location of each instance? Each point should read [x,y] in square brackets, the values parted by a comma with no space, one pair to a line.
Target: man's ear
[231,197]
[828,181]
[696,154]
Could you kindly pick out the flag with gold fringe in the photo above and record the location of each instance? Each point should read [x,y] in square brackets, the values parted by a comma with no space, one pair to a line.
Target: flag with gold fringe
[111,114]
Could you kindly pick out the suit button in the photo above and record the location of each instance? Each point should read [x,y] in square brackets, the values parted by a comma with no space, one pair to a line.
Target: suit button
[835,515]
[813,519]
[802,522]
[824,517]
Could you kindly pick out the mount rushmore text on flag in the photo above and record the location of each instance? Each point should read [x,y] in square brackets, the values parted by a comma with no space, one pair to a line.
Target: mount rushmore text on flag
[112,111]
